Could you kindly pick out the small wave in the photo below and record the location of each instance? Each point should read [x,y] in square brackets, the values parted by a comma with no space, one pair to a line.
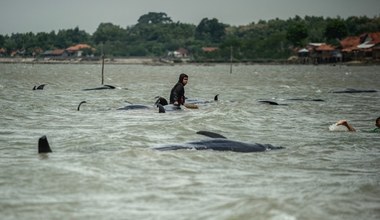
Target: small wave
[335,127]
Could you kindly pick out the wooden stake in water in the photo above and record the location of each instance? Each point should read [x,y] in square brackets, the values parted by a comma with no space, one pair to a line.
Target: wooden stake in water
[102,69]
[231,59]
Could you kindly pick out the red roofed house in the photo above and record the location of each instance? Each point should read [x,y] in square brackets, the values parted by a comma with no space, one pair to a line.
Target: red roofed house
[56,53]
[323,53]
[78,49]
[180,53]
[366,46]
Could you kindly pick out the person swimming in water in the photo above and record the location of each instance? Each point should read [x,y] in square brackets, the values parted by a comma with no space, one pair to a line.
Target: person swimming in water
[177,94]
[351,128]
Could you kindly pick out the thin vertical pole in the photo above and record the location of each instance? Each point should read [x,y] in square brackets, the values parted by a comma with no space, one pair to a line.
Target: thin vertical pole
[231,59]
[102,65]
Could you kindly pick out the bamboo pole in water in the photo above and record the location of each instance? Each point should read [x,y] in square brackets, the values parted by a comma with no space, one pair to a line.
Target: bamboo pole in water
[102,52]
[231,59]
[102,69]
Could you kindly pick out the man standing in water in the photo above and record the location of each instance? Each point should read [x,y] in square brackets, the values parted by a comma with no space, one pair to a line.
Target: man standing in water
[177,94]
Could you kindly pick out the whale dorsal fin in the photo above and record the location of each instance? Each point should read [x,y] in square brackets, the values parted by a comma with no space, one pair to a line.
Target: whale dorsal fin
[80,104]
[216,97]
[43,145]
[211,134]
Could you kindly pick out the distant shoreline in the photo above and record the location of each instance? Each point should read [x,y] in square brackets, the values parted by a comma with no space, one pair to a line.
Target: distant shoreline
[79,61]
[159,62]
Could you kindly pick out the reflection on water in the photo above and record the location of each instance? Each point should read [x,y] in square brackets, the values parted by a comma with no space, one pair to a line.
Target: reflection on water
[103,165]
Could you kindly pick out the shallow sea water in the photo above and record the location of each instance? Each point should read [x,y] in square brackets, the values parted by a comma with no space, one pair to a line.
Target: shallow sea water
[104,165]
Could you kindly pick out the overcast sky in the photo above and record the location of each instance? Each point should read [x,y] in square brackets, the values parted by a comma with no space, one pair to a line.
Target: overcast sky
[21,16]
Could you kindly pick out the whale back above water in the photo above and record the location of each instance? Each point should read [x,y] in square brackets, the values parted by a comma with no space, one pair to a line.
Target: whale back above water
[134,107]
[349,90]
[219,143]
[101,88]
[40,87]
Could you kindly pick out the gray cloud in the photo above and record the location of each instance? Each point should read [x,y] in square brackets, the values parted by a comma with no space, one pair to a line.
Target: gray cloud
[20,16]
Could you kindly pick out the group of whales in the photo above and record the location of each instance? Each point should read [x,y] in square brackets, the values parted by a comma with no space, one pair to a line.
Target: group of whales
[162,104]
[217,142]
[104,87]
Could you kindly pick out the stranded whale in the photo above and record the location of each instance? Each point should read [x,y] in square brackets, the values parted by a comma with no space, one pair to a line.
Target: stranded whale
[163,105]
[270,102]
[159,102]
[101,88]
[219,143]
[355,91]
[132,106]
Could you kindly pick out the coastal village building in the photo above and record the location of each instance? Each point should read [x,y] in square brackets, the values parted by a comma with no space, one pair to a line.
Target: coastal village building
[3,52]
[73,51]
[77,50]
[180,53]
[365,47]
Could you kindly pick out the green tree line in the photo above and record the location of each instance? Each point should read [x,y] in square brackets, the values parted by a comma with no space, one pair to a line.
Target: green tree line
[155,34]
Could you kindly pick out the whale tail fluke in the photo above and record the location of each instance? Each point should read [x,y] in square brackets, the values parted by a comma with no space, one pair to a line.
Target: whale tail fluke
[211,134]
[43,145]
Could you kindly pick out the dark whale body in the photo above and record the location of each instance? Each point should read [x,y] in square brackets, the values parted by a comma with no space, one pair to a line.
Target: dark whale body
[302,99]
[197,101]
[163,105]
[220,143]
[292,99]
[217,143]
[160,102]
[270,102]
[134,107]
[101,88]
[355,91]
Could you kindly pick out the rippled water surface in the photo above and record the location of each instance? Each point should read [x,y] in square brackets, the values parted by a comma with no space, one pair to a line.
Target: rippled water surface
[104,165]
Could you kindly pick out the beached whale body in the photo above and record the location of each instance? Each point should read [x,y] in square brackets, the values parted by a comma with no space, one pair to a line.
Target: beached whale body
[270,102]
[101,88]
[134,107]
[198,101]
[159,102]
[355,91]
[163,105]
[219,143]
